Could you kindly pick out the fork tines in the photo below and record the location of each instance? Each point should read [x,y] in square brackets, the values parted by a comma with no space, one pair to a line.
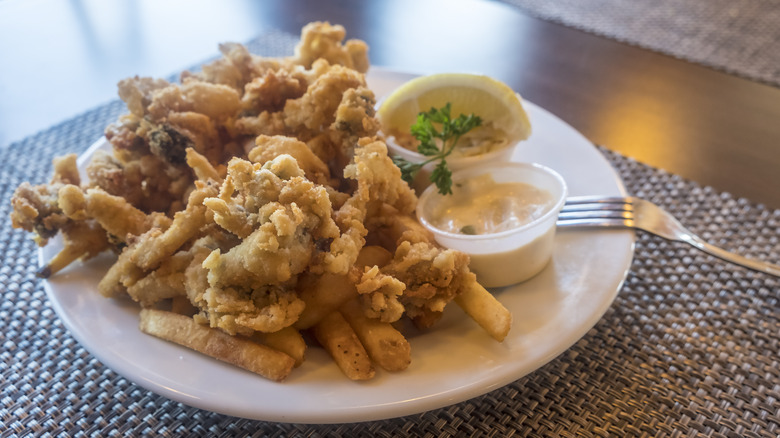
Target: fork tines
[594,211]
[597,211]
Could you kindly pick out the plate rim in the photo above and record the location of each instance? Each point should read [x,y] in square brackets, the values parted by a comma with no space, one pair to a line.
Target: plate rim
[397,409]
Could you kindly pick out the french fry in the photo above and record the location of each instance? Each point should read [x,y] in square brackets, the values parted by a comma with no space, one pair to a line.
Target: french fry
[287,340]
[337,337]
[485,309]
[243,353]
[327,292]
[386,346]
[322,294]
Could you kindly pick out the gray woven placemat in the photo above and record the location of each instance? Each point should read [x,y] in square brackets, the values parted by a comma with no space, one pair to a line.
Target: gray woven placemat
[740,37]
[690,346]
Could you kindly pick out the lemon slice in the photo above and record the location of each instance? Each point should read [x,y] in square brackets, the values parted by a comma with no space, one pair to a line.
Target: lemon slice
[495,102]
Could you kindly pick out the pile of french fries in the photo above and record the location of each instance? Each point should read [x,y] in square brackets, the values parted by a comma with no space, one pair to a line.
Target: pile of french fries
[336,321]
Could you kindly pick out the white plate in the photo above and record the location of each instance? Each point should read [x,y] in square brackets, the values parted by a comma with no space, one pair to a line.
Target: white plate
[452,362]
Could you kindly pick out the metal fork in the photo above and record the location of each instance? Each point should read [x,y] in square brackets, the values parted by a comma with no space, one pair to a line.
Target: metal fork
[631,212]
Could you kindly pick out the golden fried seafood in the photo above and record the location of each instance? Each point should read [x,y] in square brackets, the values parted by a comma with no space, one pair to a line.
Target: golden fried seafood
[323,41]
[280,215]
[240,202]
[36,208]
[267,148]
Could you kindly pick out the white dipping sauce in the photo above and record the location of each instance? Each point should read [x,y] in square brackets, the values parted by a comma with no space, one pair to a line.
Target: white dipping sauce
[479,205]
[502,215]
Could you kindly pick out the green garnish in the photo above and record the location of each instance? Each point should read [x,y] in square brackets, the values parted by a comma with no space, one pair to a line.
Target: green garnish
[426,133]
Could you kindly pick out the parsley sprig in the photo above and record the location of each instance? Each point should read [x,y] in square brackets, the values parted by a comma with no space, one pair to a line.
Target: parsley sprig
[426,132]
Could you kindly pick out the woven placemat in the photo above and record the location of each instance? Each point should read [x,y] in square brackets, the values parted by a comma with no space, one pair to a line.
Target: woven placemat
[739,37]
[689,347]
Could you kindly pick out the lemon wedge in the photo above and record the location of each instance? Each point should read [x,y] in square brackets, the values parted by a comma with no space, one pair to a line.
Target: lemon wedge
[495,102]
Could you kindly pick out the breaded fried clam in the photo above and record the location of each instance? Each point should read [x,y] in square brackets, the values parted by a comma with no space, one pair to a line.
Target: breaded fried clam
[321,40]
[280,216]
[240,202]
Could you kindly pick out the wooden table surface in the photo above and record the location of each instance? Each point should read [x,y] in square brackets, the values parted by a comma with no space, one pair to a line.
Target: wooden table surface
[62,58]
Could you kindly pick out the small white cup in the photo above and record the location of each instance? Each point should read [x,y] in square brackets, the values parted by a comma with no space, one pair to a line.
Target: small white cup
[512,256]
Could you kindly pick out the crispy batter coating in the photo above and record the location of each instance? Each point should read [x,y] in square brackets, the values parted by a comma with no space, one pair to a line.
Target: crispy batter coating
[116,216]
[240,95]
[266,123]
[167,281]
[136,92]
[121,275]
[148,183]
[286,213]
[432,276]
[36,208]
[150,249]
[316,109]
[236,68]
[203,168]
[215,101]
[265,309]
[378,179]
[279,215]
[271,91]
[201,133]
[249,190]
[321,40]
[378,182]
[269,148]
[82,240]
[354,121]
[379,295]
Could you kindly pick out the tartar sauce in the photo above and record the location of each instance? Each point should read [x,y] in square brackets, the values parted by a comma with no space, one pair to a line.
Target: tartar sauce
[480,205]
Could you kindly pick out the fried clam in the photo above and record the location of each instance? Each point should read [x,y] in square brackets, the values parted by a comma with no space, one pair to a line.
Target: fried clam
[321,40]
[248,203]
[279,216]
[147,252]
[58,207]
[147,164]
[36,208]
[378,182]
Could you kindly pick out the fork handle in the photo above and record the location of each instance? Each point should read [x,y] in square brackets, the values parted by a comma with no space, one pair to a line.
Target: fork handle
[730,256]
